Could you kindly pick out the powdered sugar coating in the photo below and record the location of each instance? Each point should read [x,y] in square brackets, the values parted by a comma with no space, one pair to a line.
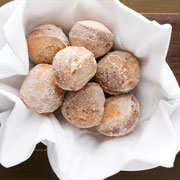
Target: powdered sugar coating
[39,91]
[118,72]
[121,114]
[84,108]
[74,67]
[92,35]
[44,42]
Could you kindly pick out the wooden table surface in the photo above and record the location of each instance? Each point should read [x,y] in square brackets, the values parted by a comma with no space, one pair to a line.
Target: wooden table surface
[37,167]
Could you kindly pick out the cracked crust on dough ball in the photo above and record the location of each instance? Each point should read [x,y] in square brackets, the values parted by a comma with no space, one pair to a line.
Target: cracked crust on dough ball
[118,72]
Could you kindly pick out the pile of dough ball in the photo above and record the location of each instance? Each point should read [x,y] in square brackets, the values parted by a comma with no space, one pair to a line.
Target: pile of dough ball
[67,75]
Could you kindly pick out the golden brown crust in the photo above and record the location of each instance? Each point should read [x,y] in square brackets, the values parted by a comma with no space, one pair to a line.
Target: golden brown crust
[121,114]
[84,108]
[118,72]
[74,67]
[39,91]
[92,35]
[44,42]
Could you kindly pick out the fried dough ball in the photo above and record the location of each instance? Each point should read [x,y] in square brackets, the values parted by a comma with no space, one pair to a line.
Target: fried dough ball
[93,36]
[84,108]
[121,114]
[118,72]
[74,67]
[44,42]
[39,91]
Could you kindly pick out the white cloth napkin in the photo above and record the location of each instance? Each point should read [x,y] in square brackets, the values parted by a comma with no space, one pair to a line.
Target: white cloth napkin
[83,154]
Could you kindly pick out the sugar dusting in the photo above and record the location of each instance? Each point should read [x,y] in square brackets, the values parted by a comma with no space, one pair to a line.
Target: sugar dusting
[118,72]
[44,42]
[39,91]
[93,36]
[121,115]
[53,31]
[74,67]
[84,108]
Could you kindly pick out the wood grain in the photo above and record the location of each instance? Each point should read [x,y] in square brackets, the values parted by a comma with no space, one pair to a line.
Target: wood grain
[154,6]
[145,6]
[37,167]
[2,2]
